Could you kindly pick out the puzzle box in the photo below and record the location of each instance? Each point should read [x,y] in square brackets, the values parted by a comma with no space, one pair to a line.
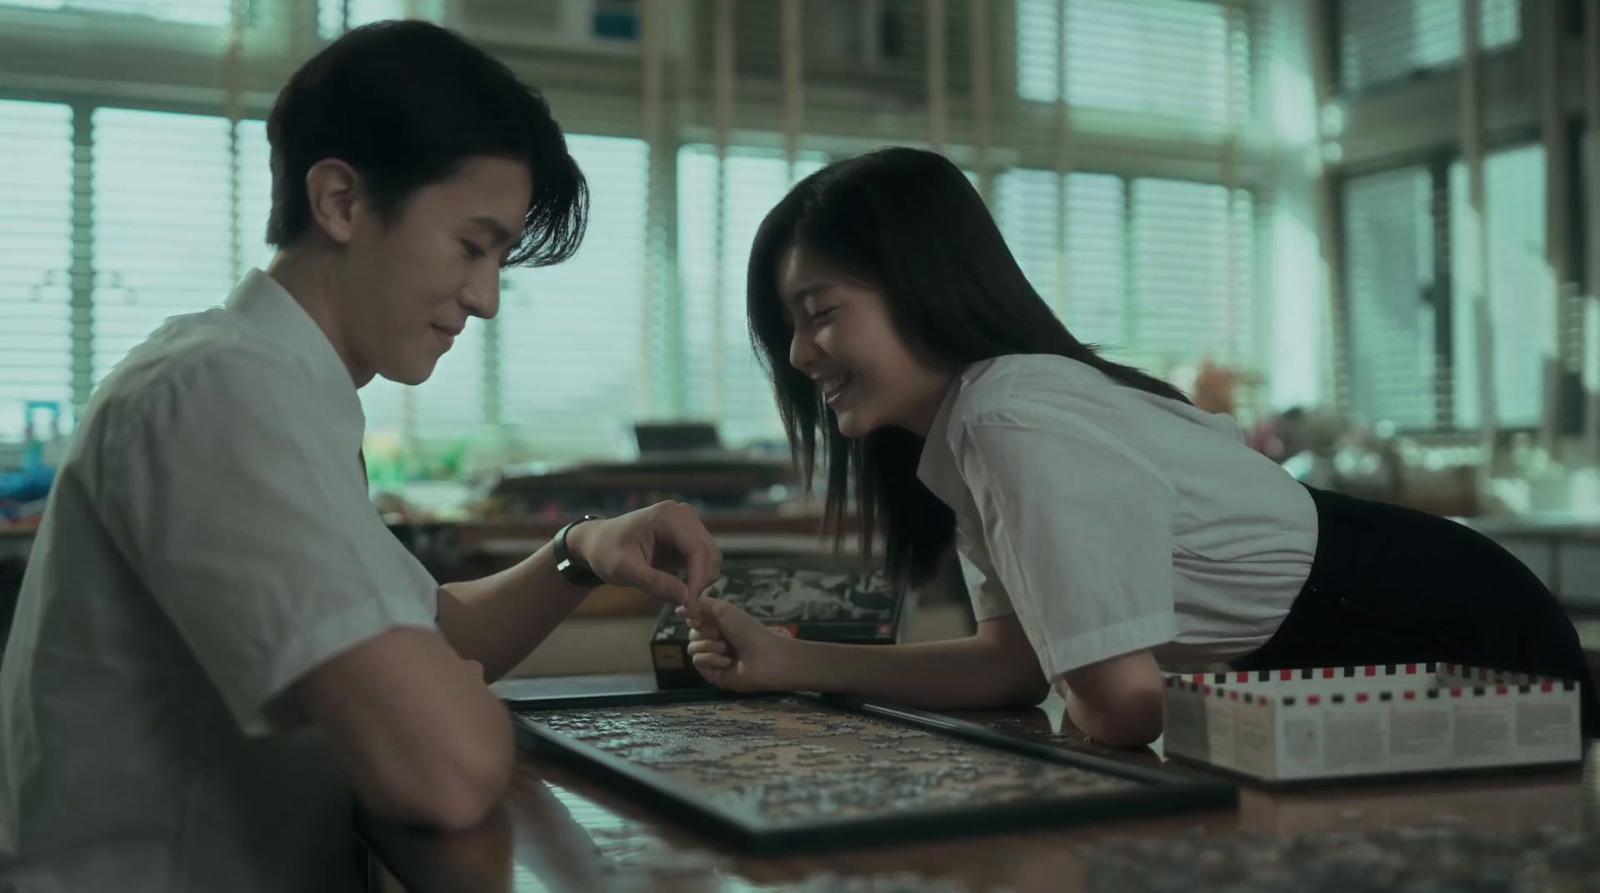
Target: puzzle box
[1344,722]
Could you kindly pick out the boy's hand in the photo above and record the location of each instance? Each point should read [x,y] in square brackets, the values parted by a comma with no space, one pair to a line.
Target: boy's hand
[733,650]
[643,548]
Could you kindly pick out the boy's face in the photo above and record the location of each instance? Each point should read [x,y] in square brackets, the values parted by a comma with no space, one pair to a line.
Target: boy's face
[412,282]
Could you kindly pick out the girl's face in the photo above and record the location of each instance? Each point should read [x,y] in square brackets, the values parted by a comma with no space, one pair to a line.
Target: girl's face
[845,342]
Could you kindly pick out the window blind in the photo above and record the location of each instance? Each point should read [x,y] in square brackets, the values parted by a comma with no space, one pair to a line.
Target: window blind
[331,13]
[571,334]
[192,12]
[1095,304]
[161,223]
[161,252]
[35,259]
[568,361]
[1096,259]
[1186,308]
[255,195]
[1187,302]
[1388,40]
[1166,57]
[446,408]
[1521,305]
[1149,279]
[757,179]
[1389,250]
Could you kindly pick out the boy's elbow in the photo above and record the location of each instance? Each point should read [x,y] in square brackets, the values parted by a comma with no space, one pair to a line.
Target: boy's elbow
[459,809]
[455,794]
[471,797]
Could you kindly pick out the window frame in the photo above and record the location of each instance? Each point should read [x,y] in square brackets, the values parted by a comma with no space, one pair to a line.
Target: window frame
[1437,162]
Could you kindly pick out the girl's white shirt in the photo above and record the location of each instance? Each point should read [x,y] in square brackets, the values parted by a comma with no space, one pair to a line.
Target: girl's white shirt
[1112,520]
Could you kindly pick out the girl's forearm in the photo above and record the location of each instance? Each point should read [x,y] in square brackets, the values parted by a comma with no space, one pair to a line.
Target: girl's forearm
[969,673]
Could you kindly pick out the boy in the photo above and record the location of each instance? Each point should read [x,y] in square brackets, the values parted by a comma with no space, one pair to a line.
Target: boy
[218,642]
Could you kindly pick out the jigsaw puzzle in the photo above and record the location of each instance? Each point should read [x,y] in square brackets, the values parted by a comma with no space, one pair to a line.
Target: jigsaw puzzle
[794,769]
[792,762]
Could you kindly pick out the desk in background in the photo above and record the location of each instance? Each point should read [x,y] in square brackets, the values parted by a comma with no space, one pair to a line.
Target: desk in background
[1562,550]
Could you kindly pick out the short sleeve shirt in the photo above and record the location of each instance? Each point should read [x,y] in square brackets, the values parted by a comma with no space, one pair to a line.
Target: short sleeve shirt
[209,540]
[1112,520]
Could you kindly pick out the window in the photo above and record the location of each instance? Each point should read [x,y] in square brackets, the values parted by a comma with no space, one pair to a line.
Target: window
[1166,57]
[1521,301]
[1146,271]
[160,235]
[1410,365]
[331,13]
[1095,303]
[1189,301]
[35,259]
[161,224]
[740,398]
[1388,40]
[1389,251]
[193,12]
[572,335]
[569,336]
[164,220]
[446,408]
[171,208]
[255,195]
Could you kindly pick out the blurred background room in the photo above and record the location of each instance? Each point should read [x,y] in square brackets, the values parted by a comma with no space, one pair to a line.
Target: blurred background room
[1367,229]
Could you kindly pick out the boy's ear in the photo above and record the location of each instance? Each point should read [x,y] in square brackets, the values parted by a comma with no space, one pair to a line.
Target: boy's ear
[333,190]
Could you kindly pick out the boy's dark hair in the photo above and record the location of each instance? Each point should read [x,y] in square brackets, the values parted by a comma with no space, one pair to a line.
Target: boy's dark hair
[405,104]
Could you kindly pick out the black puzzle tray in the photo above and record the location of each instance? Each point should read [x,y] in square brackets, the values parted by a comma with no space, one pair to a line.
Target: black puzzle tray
[800,772]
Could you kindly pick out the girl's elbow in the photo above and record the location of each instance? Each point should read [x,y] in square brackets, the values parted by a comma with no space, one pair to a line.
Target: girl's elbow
[1134,723]
[1131,734]
[1028,691]
[1125,714]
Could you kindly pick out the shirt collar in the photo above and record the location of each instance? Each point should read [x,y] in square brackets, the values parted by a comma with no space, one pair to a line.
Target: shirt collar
[275,314]
[938,469]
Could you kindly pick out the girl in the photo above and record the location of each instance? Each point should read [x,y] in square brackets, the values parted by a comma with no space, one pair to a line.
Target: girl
[1104,525]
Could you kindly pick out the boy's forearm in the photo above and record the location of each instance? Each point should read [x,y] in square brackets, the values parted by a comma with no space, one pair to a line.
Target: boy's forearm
[498,620]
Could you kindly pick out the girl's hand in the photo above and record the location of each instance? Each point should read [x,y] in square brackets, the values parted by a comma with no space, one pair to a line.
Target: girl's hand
[733,650]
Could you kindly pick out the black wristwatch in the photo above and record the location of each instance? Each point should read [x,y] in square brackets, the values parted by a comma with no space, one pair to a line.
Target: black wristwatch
[573,572]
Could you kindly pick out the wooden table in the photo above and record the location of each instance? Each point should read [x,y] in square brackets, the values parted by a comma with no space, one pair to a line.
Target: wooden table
[557,832]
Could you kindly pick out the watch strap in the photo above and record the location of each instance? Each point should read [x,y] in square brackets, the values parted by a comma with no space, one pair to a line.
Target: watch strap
[566,565]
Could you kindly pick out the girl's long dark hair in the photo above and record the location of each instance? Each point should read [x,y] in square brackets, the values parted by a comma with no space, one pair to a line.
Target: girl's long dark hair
[908,222]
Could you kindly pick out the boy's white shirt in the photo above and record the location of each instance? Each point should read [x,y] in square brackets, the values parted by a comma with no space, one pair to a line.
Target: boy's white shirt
[209,540]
